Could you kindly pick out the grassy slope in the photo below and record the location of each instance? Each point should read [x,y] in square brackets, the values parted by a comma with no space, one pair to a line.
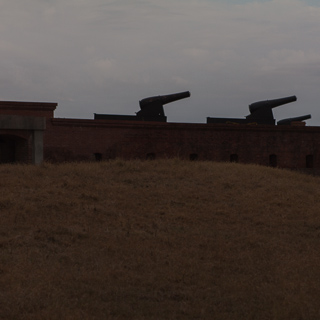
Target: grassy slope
[158,240]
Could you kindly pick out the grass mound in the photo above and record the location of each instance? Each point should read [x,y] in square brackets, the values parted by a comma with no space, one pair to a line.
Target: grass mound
[163,239]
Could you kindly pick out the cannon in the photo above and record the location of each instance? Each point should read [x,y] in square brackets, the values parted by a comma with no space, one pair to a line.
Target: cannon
[287,122]
[146,102]
[151,109]
[261,111]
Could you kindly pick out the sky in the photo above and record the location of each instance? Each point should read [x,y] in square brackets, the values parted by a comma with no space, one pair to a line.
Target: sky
[103,56]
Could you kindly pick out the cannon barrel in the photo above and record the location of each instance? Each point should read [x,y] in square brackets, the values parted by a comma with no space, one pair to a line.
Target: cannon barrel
[289,120]
[270,104]
[163,99]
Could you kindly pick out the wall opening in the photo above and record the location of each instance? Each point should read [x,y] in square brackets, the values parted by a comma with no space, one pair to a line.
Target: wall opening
[98,156]
[193,156]
[234,158]
[13,149]
[273,161]
[150,156]
[309,161]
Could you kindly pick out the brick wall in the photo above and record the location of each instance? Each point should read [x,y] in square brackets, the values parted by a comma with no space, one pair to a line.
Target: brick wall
[283,146]
[295,147]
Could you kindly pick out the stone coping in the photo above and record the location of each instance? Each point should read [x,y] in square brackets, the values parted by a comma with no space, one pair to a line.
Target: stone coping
[22,123]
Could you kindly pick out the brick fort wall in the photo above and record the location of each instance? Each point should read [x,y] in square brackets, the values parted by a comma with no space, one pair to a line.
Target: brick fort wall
[295,147]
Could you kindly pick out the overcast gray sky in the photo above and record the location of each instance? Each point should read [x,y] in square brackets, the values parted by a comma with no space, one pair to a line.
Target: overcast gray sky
[103,56]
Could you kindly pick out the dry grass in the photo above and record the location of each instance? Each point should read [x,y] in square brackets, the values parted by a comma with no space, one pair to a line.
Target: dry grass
[158,240]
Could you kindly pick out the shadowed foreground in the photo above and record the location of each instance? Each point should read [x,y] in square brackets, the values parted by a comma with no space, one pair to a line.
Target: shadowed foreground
[158,240]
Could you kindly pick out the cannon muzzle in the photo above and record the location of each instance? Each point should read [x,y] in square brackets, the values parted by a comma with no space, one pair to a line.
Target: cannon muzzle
[163,99]
[287,122]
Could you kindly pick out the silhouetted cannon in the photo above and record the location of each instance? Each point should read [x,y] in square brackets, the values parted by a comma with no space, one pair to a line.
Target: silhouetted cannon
[287,122]
[163,99]
[270,104]
[261,111]
[152,107]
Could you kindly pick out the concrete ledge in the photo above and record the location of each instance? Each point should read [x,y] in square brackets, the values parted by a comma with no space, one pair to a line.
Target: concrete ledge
[22,123]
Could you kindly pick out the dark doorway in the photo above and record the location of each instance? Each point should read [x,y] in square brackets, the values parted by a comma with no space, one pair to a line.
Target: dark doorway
[273,161]
[7,150]
[150,156]
[234,158]
[193,156]
[13,149]
[98,156]
[309,161]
